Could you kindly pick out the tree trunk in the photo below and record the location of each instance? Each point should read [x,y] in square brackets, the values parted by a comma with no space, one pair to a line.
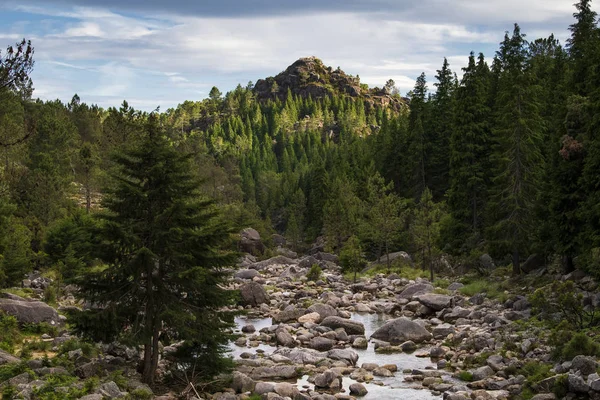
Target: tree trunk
[516,262]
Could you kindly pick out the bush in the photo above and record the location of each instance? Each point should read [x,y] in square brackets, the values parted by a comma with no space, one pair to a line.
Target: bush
[580,344]
[142,394]
[562,301]
[89,350]
[314,274]
[9,332]
[465,376]
[493,290]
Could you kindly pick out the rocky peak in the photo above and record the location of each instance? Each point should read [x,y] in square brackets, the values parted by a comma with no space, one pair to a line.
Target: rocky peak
[308,76]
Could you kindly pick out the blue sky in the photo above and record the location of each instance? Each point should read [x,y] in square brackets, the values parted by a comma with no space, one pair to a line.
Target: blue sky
[160,53]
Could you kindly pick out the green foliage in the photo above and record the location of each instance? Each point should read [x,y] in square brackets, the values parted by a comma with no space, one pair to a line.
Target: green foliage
[426,231]
[465,376]
[314,274]
[351,258]
[11,370]
[563,301]
[87,349]
[568,344]
[10,335]
[492,289]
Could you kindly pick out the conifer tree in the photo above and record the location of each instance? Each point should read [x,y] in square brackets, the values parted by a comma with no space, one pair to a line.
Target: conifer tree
[164,252]
[518,130]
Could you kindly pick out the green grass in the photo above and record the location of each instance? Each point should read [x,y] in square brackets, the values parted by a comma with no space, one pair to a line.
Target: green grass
[494,290]
[21,292]
[465,376]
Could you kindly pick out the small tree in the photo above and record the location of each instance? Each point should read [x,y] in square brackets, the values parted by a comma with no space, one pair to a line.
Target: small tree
[351,258]
[426,230]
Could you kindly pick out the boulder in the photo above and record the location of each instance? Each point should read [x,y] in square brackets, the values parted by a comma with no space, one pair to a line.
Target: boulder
[327,379]
[242,383]
[286,390]
[263,387]
[400,330]
[324,310]
[533,262]
[442,331]
[346,355]
[486,262]
[253,294]
[358,389]
[312,317]
[584,364]
[577,384]
[399,255]
[455,286]
[250,242]
[482,373]
[284,338]
[291,313]
[110,390]
[30,312]
[276,372]
[436,302]
[321,343]
[7,358]
[246,274]
[351,327]
[414,289]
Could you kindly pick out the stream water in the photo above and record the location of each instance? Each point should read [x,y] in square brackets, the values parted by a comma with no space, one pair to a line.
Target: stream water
[392,388]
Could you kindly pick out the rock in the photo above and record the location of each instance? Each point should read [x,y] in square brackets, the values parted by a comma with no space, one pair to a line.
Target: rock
[400,330]
[455,286]
[282,251]
[312,317]
[250,242]
[486,262]
[577,384]
[399,255]
[276,372]
[346,355]
[544,396]
[30,312]
[322,256]
[242,383]
[246,274]
[482,373]
[436,302]
[437,352]
[321,343]
[533,262]
[253,294]
[351,327]
[360,343]
[291,313]
[495,362]
[284,338]
[477,299]
[382,372]
[285,389]
[415,289]
[7,358]
[408,346]
[248,328]
[301,356]
[324,310]
[264,387]
[442,331]
[358,389]
[111,390]
[94,396]
[327,378]
[277,260]
[584,364]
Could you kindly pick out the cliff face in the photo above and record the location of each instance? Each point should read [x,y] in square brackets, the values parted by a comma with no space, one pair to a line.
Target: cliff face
[308,76]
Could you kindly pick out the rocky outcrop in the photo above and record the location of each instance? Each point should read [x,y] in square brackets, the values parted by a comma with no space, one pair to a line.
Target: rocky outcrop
[250,242]
[351,327]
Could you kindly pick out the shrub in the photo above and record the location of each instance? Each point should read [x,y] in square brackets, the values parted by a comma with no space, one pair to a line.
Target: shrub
[314,273]
[465,376]
[142,394]
[562,301]
[580,344]
[9,332]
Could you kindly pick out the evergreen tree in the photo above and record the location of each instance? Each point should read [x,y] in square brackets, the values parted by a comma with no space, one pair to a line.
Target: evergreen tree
[351,257]
[517,156]
[417,142]
[163,248]
[426,231]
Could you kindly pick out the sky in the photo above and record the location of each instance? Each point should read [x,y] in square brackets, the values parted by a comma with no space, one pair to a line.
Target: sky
[160,53]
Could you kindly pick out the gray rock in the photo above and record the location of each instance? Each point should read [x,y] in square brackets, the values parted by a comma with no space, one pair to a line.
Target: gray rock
[400,330]
[277,260]
[577,384]
[324,310]
[415,289]
[248,328]
[358,389]
[442,331]
[533,262]
[321,343]
[242,383]
[360,343]
[276,372]
[594,382]
[351,327]
[30,312]
[495,362]
[291,313]
[486,262]
[544,396]
[253,294]
[408,346]
[482,373]
[301,356]
[264,387]
[286,390]
[94,396]
[346,355]
[7,358]
[455,286]
[111,390]
[246,274]
[585,364]
[436,302]
[399,255]
[284,338]
[250,242]
[437,352]
[327,378]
